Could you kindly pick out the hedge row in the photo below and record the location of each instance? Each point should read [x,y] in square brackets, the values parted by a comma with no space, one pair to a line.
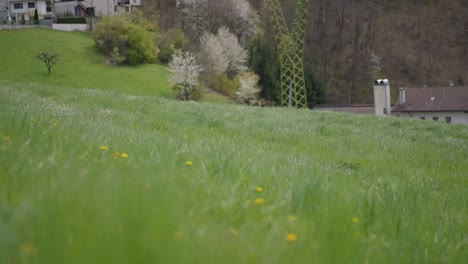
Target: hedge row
[71,20]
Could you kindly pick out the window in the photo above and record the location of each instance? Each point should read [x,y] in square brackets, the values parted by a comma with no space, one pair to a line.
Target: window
[31,5]
[448,119]
[422,117]
[18,5]
[435,118]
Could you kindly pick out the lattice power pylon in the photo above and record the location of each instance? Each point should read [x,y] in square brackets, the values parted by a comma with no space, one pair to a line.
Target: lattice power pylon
[290,48]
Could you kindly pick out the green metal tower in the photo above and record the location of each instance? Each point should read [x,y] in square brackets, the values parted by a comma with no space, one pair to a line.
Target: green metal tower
[290,48]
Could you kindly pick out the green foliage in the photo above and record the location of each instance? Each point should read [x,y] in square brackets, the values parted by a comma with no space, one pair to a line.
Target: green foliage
[225,85]
[353,188]
[133,37]
[315,92]
[263,61]
[192,93]
[71,20]
[170,41]
[36,17]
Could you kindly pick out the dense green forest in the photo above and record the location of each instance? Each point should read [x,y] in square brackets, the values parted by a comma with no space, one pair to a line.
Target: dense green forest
[348,42]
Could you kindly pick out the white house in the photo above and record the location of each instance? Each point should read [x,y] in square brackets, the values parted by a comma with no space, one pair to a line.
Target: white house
[443,104]
[14,10]
[102,8]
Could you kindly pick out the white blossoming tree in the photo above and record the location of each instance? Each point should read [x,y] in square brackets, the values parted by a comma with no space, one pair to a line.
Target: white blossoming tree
[208,15]
[223,53]
[186,70]
[212,55]
[235,54]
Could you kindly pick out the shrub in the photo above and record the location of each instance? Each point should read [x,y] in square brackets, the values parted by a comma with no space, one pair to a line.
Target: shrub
[36,17]
[127,36]
[226,86]
[248,90]
[71,20]
[170,41]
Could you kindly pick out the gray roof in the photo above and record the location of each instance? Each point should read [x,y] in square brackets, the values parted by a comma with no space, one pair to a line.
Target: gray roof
[434,99]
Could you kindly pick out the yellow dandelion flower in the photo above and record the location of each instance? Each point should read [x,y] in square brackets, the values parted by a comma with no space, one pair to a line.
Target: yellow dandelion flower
[103,147]
[188,163]
[33,120]
[358,235]
[28,249]
[148,186]
[234,231]
[291,237]
[355,219]
[116,155]
[259,189]
[6,138]
[259,201]
[124,155]
[178,234]
[292,218]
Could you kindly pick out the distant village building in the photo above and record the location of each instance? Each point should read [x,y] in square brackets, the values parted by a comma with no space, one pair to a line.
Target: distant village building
[443,104]
[101,8]
[12,11]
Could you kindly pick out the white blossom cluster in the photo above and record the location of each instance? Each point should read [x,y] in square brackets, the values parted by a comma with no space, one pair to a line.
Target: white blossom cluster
[186,69]
[223,53]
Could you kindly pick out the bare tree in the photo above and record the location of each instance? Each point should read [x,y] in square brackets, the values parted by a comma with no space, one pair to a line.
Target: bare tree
[48,60]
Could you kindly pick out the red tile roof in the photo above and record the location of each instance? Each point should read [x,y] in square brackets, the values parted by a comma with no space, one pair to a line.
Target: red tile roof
[434,99]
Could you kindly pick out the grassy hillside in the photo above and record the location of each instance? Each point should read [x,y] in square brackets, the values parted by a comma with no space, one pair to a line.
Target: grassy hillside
[92,176]
[80,64]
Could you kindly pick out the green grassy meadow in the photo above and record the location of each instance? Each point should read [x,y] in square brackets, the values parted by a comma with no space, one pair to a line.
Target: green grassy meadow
[80,64]
[115,175]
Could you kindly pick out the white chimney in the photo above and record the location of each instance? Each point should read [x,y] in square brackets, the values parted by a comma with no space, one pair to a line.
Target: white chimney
[402,98]
[382,97]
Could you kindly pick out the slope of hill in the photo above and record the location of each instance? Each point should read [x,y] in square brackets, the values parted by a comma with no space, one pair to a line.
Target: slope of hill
[80,64]
[92,176]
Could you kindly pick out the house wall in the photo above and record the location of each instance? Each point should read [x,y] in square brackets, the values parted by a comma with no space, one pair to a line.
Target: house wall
[28,12]
[103,8]
[3,11]
[70,27]
[62,8]
[457,117]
